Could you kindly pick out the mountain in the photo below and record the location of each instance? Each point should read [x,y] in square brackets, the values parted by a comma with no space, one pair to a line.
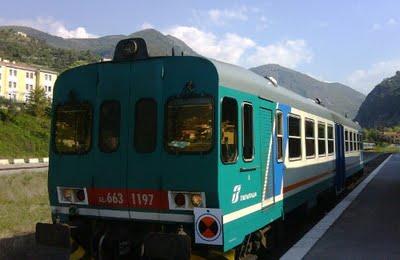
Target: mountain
[382,105]
[158,43]
[335,96]
[31,50]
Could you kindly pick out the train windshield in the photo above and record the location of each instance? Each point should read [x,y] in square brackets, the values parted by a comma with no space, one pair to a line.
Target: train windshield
[73,128]
[189,125]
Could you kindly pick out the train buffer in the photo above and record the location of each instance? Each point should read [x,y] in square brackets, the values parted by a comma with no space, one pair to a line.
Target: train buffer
[365,225]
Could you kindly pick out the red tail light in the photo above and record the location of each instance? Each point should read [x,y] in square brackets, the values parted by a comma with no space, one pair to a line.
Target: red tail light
[180,200]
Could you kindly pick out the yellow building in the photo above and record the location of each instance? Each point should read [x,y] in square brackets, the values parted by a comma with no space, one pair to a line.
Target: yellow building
[18,79]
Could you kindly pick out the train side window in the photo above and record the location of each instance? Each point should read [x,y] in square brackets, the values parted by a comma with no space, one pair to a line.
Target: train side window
[73,128]
[321,139]
[351,141]
[346,140]
[145,135]
[110,114]
[294,137]
[331,146]
[279,135]
[229,130]
[248,146]
[310,138]
[359,141]
[355,142]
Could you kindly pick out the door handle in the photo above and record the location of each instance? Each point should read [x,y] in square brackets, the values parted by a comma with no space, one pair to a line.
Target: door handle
[244,169]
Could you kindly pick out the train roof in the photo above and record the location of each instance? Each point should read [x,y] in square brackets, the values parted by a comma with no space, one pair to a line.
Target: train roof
[247,81]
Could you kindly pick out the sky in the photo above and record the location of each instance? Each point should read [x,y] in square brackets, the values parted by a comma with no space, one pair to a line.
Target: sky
[352,42]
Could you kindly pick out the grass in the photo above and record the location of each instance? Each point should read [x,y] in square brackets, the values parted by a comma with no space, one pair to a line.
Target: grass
[24,136]
[387,149]
[23,203]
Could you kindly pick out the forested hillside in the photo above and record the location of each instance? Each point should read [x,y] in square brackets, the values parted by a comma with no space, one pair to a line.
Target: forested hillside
[30,50]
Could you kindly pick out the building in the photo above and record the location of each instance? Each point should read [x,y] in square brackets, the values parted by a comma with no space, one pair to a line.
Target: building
[391,137]
[18,79]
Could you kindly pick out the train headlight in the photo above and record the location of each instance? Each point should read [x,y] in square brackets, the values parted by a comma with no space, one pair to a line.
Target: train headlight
[197,200]
[69,195]
[185,200]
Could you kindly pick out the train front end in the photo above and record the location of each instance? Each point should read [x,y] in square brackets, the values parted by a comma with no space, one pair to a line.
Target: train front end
[133,156]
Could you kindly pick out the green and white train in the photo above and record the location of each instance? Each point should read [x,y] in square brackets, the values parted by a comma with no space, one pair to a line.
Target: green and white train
[168,156]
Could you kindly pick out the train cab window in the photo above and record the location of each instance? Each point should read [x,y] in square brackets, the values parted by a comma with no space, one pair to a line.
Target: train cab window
[331,142]
[189,125]
[346,140]
[310,138]
[321,139]
[351,141]
[110,116]
[294,137]
[229,130]
[73,128]
[145,135]
[279,135]
[248,132]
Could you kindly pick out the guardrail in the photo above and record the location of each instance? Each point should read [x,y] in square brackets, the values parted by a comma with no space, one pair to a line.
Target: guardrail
[24,161]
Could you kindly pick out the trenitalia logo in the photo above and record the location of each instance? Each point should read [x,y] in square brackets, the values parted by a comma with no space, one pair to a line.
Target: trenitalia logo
[235,195]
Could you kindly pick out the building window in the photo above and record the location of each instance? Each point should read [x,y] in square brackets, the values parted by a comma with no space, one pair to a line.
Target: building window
[73,128]
[27,75]
[49,88]
[15,72]
[145,135]
[321,139]
[310,138]
[31,87]
[15,84]
[11,72]
[248,146]
[50,77]
[31,75]
[346,140]
[10,84]
[27,86]
[331,141]
[294,137]
[279,135]
[45,76]
[229,130]
[110,113]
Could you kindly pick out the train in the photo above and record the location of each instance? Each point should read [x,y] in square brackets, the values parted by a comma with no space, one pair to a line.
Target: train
[165,157]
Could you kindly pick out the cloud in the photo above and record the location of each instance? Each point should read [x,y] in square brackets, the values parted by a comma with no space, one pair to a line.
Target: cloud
[289,53]
[51,26]
[146,25]
[220,16]
[392,21]
[228,47]
[236,49]
[364,80]
[388,23]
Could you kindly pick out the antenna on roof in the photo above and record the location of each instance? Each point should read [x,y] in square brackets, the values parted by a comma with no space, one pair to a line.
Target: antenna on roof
[182,53]
[173,51]
[318,101]
[272,80]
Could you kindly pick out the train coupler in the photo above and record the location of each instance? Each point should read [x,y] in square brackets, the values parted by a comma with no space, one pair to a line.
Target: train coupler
[53,235]
[167,246]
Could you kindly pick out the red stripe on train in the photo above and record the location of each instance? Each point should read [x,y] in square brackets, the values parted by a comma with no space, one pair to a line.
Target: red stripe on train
[129,198]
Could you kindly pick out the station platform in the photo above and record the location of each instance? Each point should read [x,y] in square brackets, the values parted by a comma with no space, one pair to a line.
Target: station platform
[364,225]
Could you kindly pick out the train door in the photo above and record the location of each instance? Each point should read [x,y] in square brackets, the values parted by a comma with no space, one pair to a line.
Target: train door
[145,119]
[340,159]
[266,112]
[109,170]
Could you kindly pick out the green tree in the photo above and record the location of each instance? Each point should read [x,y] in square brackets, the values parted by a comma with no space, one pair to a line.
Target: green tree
[37,103]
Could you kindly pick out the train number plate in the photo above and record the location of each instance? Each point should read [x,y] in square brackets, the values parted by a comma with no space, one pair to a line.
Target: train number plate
[152,199]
